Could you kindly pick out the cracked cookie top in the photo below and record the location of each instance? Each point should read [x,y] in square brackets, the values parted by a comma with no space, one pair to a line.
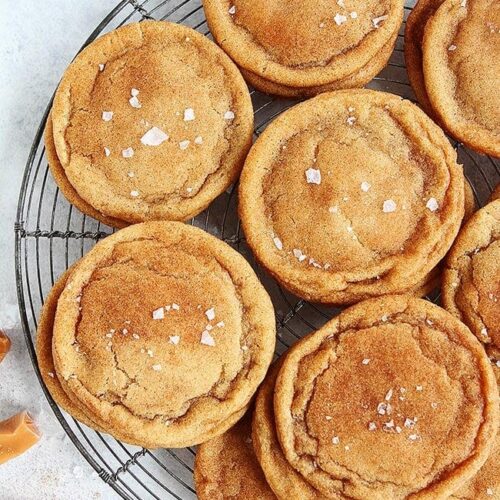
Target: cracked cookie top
[303,43]
[461,61]
[349,195]
[394,398]
[163,332]
[151,121]
[226,467]
[471,280]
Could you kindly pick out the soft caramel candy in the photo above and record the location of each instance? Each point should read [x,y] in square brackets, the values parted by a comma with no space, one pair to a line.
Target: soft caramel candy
[4,345]
[17,434]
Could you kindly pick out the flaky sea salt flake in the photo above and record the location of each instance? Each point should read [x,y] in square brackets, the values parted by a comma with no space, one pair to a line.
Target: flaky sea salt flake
[184,144]
[128,153]
[189,115]
[365,186]
[229,115]
[107,116]
[432,204]
[389,206]
[174,339]
[313,176]
[154,137]
[159,313]
[278,243]
[210,313]
[207,339]
[339,19]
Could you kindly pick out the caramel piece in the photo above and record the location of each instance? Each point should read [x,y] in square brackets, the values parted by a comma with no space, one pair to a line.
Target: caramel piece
[17,434]
[4,345]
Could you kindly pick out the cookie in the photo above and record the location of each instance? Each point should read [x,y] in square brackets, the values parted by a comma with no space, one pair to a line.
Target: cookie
[486,483]
[151,121]
[349,195]
[284,480]
[414,35]
[163,333]
[65,186]
[471,280]
[461,63]
[356,80]
[393,398]
[226,467]
[336,40]
[51,379]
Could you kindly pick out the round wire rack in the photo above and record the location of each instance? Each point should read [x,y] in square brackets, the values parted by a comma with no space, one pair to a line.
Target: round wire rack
[50,235]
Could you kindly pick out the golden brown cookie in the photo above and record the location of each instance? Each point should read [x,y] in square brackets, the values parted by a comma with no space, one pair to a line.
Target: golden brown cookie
[356,80]
[297,43]
[51,379]
[394,398]
[414,35]
[151,121]
[284,480]
[164,333]
[461,62]
[351,194]
[226,467]
[485,485]
[471,280]
[65,186]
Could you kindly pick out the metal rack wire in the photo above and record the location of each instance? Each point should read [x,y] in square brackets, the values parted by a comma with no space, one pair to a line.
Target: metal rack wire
[50,235]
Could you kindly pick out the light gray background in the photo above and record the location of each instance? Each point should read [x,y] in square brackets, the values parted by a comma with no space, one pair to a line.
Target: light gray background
[39,38]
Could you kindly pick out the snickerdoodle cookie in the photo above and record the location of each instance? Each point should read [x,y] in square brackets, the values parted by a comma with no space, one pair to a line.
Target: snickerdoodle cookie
[351,194]
[394,398]
[471,280]
[151,121]
[226,467]
[461,62]
[297,47]
[163,333]
[68,402]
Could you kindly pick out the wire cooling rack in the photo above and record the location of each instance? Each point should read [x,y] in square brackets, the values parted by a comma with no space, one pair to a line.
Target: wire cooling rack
[51,234]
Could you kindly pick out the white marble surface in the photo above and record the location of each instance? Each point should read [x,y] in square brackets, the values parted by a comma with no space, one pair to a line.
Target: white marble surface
[38,41]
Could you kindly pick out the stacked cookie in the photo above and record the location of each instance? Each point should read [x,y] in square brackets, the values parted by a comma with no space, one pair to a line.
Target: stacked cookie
[159,336]
[151,121]
[451,52]
[350,195]
[302,48]
[344,417]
